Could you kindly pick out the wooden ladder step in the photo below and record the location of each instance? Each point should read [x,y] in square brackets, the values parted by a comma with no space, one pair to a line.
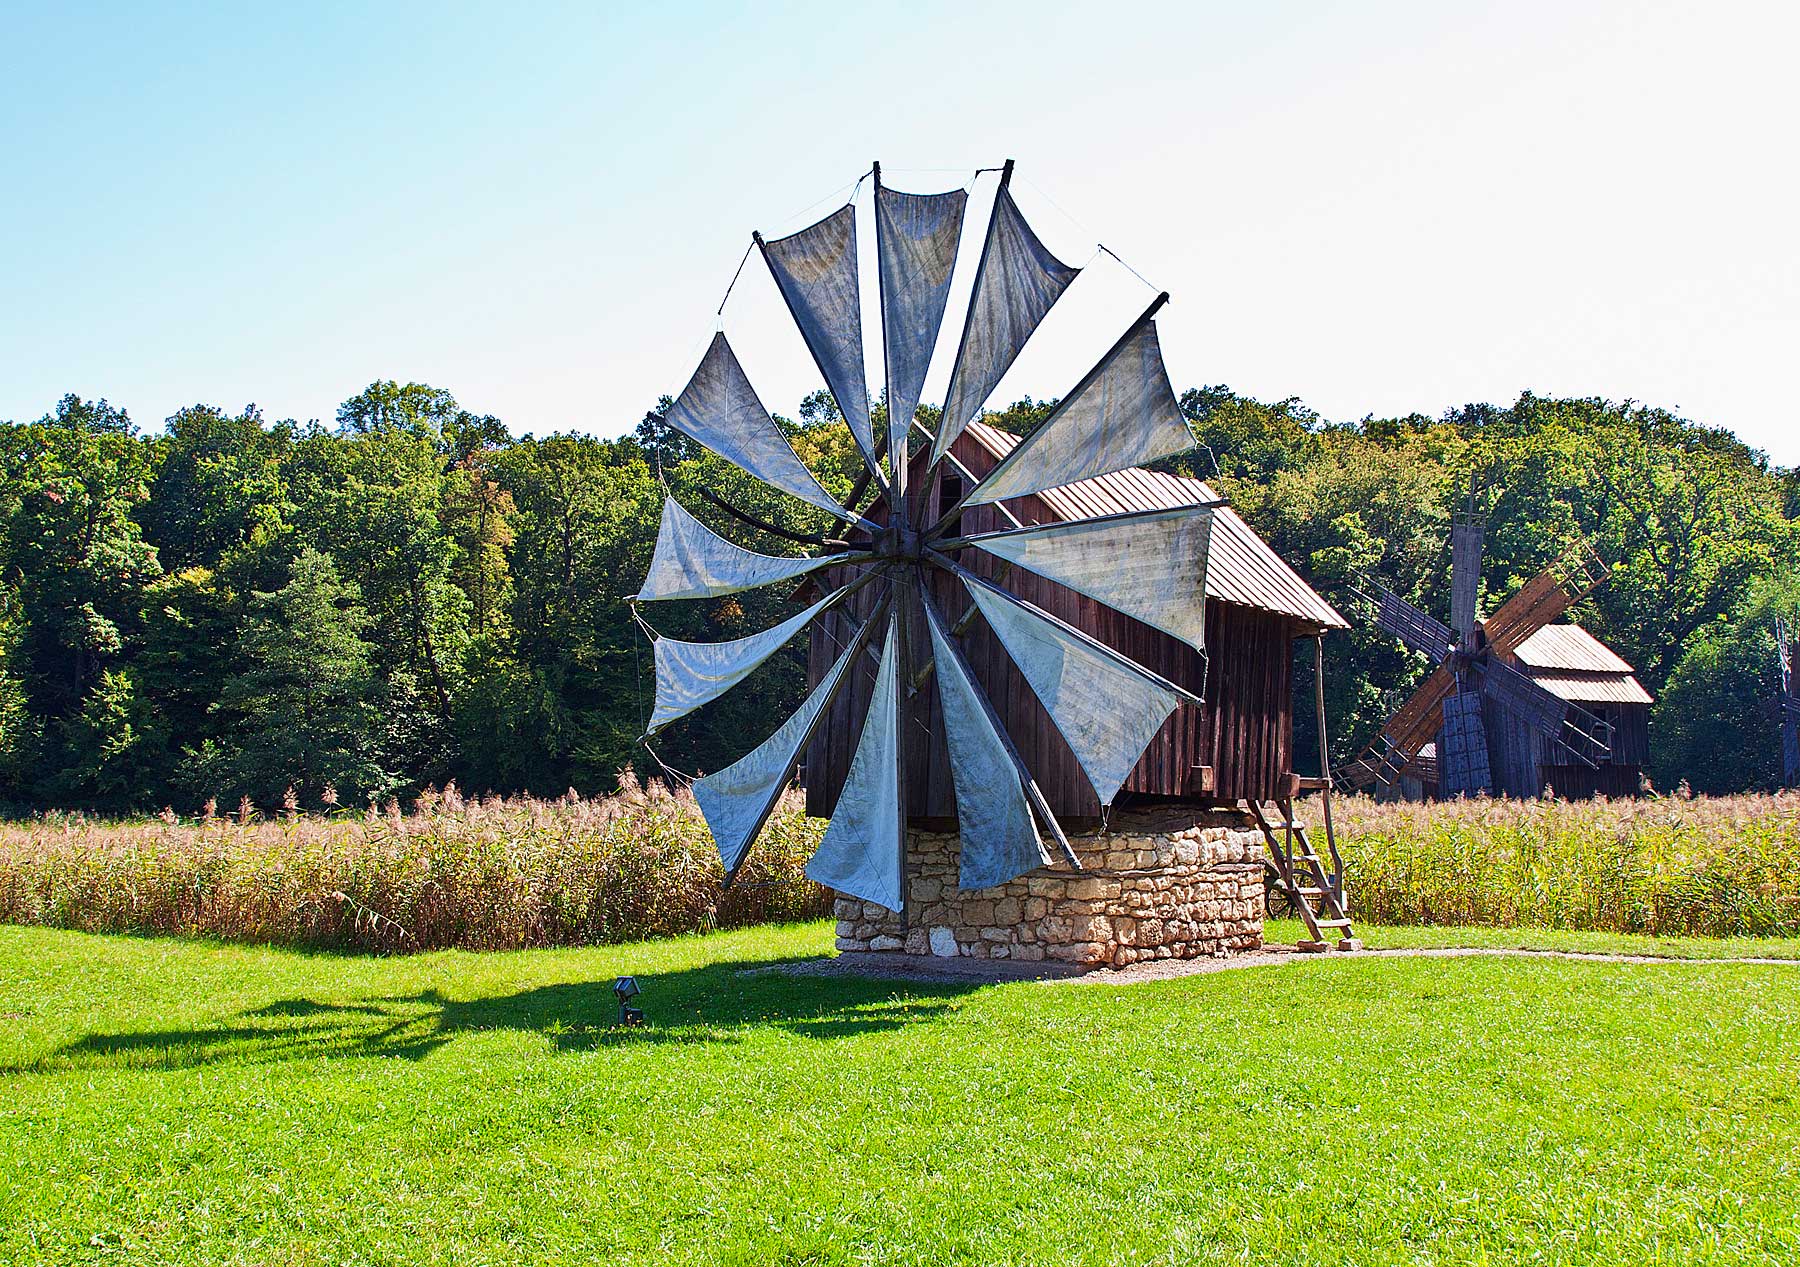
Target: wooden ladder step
[1332,923]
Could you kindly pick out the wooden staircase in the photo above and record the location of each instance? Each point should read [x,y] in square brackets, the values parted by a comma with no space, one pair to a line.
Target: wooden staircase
[1299,872]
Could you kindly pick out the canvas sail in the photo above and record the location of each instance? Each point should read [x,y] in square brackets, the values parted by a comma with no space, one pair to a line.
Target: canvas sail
[860,854]
[815,270]
[737,800]
[1016,284]
[1151,567]
[720,409]
[1124,413]
[689,674]
[1107,713]
[693,561]
[916,240]
[998,838]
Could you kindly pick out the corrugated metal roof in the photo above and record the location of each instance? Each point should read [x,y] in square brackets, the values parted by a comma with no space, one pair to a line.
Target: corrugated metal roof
[1570,648]
[1243,569]
[1592,688]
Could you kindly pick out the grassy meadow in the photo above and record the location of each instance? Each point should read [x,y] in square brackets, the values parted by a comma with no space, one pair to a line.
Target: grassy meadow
[177,1101]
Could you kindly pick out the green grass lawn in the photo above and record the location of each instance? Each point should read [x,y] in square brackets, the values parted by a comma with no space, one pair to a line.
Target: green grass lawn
[1576,941]
[169,1101]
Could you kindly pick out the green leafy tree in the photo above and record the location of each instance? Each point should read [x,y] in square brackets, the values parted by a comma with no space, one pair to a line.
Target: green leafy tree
[300,709]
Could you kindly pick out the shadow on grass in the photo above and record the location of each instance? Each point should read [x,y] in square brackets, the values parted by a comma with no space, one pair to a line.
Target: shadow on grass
[720,1003]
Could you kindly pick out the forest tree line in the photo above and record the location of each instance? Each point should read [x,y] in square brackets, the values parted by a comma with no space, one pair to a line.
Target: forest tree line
[407,595]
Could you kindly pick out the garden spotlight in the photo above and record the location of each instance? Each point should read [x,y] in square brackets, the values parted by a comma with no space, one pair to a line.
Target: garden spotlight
[626,988]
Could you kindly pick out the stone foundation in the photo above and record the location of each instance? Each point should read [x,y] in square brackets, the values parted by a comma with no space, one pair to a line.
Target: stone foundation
[1165,885]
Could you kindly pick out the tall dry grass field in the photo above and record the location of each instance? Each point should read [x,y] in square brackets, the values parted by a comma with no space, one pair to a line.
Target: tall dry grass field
[494,874]
[1673,866]
[488,874]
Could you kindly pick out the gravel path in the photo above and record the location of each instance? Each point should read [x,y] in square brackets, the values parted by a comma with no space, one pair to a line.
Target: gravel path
[995,971]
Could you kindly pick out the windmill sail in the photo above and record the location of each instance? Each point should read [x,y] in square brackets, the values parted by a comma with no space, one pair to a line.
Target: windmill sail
[737,800]
[998,839]
[815,270]
[1151,567]
[860,854]
[689,674]
[916,238]
[693,561]
[1015,285]
[1106,712]
[720,409]
[1420,632]
[1462,748]
[1124,413]
[1466,534]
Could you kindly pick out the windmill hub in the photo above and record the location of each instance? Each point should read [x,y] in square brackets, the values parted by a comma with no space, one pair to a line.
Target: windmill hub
[900,543]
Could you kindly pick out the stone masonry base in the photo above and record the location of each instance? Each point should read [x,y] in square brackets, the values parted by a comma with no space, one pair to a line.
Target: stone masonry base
[1167,884]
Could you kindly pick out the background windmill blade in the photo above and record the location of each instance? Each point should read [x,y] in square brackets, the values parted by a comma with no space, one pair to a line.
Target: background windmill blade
[860,854]
[999,839]
[738,800]
[1543,599]
[815,271]
[693,561]
[916,237]
[1582,735]
[1407,732]
[1016,284]
[721,410]
[690,674]
[1150,566]
[1420,632]
[1106,711]
[1124,413]
[1462,748]
[1466,534]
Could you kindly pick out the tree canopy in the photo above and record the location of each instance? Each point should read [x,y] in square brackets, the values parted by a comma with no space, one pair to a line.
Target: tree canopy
[231,607]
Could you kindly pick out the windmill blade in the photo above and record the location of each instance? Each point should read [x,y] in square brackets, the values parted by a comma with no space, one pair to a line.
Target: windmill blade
[1406,733]
[860,854]
[693,561]
[1124,413]
[1466,533]
[916,237]
[1582,735]
[1106,708]
[1151,566]
[1462,749]
[999,839]
[1016,283]
[1543,599]
[690,674]
[815,271]
[1419,631]
[738,800]
[721,410]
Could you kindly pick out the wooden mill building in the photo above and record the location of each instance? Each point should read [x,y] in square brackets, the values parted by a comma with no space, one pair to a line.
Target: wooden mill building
[1237,745]
[1573,665]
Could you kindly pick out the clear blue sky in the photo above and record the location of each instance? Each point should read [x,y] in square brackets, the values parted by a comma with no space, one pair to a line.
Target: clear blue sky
[1378,207]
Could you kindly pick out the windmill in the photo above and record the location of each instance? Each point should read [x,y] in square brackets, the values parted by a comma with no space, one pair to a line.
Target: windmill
[1149,565]
[1790,705]
[1477,679]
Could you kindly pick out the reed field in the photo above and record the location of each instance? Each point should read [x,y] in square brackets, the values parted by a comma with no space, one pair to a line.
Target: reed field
[485,874]
[512,873]
[1674,866]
